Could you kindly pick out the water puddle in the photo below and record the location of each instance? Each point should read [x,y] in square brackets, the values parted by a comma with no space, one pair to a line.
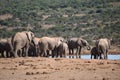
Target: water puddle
[110,56]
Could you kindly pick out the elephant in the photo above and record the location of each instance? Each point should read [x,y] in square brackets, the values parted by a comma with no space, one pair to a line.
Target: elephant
[34,49]
[47,44]
[94,52]
[77,43]
[21,42]
[103,45]
[62,49]
[6,47]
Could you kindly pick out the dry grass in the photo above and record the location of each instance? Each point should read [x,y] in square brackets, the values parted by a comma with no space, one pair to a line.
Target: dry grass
[5,16]
[116,4]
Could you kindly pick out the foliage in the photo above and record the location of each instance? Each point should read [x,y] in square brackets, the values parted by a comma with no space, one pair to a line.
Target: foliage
[91,19]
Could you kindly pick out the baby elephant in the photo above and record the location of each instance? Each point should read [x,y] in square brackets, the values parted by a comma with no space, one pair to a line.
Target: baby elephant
[62,49]
[94,52]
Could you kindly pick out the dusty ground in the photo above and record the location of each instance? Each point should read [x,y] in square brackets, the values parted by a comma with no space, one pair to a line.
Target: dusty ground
[37,68]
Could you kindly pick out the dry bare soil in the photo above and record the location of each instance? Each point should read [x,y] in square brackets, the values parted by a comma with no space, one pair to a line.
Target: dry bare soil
[38,68]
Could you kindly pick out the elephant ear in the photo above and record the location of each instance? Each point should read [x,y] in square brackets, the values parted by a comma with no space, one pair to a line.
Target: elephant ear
[61,39]
[83,42]
[30,36]
[79,42]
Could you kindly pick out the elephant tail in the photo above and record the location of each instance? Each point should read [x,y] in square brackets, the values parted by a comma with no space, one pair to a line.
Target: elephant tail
[13,43]
[100,50]
[12,40]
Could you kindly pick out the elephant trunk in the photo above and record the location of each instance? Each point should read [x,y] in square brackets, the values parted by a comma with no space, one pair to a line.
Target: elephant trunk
[33,42]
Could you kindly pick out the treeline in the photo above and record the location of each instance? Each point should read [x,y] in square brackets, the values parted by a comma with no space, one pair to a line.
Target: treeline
[90,19]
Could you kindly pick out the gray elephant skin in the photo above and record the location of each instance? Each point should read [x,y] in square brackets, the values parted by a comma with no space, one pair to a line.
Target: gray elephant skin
[77,43]
[94,53]
[34,49]
[21,42]
[6,47]
[62,50]
[47,44]
[103,45]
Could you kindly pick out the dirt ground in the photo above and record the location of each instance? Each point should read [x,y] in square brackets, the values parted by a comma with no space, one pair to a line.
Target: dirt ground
[38,68]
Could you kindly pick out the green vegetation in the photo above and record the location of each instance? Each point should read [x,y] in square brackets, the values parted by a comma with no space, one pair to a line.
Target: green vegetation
[90,19]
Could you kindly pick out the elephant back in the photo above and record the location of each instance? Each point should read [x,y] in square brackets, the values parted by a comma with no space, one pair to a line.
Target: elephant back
[3,43]
[72,43]
[36,40]
[18,37]
[94,50]
[103,43]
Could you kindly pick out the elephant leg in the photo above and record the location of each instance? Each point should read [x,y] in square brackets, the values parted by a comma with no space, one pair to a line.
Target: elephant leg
[69,53]
[57,52]
[72,53]
[80,52]
[15,53]
[20,53]
[26,52]
[61,54]
[26,48]
[95,56]
[23,52]
[44,53]
[35,52]
[77,53]
[41,53]
[64,53]
[53,54]
[48,53]
[100,53]
[38,53]
[100,56]
[2,54]
[11,54]
[7,54]
[105,54]
[91,56]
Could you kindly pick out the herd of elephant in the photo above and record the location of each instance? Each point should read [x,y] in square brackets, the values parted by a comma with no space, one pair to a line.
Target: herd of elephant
[25,43]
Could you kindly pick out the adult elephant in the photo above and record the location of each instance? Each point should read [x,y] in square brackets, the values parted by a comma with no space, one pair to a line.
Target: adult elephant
[49,44]
[103,45]
[21,42]
[62,49]
[94,53]
[77,43]
[6,47]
